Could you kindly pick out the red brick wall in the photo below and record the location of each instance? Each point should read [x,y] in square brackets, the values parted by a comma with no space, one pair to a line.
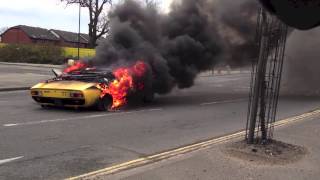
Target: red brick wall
[15,35]
[18,36]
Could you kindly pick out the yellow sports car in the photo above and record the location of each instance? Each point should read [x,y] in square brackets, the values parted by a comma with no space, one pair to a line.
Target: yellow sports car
[74,90]
[80,86]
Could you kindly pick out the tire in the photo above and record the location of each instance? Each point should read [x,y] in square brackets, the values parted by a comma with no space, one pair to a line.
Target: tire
[104,104]
[148,98]
[44,106]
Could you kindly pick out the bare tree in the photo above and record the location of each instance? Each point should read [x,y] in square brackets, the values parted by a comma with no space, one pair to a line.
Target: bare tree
[152,3]
[98,20]
[3,29]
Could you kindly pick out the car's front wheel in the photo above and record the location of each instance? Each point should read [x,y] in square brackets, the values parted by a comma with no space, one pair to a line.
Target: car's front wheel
[148,97]
[105,103]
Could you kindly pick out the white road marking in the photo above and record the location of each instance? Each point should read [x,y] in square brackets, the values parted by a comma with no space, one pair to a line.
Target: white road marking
[222,102]
[9,160]
[9,125]
[79,117]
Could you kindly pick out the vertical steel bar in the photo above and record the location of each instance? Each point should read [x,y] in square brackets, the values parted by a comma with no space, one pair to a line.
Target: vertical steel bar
[265,79]
[257,85]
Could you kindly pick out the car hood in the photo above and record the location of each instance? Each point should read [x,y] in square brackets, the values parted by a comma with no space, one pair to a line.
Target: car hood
[64,85]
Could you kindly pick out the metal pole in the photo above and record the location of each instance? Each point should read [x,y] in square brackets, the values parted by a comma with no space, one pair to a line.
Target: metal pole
[258,84]
[79,31]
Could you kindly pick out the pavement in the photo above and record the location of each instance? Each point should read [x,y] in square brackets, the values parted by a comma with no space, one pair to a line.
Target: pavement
[31,65]
[213,163]
[20,76]
[38,143]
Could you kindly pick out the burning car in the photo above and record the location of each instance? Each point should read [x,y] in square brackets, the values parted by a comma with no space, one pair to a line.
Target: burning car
[80,85]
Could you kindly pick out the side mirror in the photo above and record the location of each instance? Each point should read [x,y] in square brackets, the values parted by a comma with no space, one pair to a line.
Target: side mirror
[57,72]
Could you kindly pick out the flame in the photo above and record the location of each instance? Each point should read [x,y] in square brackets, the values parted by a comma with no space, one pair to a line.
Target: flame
[77,66]
[127,79]
[125,82]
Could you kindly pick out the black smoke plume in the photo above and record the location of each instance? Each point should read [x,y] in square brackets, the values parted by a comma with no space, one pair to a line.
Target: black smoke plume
[238,23]
[301,74]
[194,37]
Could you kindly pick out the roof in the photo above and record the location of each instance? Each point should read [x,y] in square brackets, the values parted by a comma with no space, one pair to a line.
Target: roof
[85,36]
[71,36]
[52,34]
[37,33]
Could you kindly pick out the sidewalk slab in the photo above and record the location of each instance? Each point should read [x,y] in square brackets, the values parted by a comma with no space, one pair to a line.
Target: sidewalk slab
[22,77]
[12,81]
[212,163]
[14,89]
[32,65]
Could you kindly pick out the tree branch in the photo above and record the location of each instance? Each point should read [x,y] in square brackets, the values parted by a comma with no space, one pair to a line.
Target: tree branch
[99,24]
[104,30]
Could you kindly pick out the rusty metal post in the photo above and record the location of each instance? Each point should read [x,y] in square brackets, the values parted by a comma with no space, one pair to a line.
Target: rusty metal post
[265,78]
[261,69]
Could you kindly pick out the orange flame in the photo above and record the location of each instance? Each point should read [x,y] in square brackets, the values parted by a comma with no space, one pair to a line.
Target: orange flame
[78,66]
[124,83]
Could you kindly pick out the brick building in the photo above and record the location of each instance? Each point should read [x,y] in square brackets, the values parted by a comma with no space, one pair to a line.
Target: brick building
[34,35]
[70,39]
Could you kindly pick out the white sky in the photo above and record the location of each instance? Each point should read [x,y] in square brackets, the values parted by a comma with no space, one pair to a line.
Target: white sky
[50,14]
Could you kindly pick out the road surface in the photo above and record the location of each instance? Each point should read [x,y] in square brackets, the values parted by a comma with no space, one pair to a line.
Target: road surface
[38,143]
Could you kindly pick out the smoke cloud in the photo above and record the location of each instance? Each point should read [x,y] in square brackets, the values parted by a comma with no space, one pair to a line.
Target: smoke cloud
[237,24]
[301,65]
[195,36]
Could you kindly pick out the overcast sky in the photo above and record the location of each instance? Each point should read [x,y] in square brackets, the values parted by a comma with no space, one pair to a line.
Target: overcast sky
[50,14]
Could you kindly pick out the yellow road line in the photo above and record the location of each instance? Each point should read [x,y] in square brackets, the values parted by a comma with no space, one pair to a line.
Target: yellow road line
[190,148]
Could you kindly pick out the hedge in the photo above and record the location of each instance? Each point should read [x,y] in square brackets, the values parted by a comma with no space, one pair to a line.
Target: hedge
[41,54]
[83,52]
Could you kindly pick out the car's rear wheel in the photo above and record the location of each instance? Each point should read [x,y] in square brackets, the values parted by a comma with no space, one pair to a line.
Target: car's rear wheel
[105,103]
[45,106]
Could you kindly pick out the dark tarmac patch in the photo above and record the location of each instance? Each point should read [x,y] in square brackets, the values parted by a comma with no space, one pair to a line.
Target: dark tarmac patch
[273,153]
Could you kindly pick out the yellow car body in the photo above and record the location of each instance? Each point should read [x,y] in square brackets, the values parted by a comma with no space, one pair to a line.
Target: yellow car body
[66,93]
[81,89]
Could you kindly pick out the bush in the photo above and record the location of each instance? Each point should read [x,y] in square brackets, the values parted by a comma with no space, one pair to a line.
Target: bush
[84,52]
[32,54]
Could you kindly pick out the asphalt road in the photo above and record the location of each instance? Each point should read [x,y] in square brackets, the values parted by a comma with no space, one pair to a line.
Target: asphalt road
[38,143]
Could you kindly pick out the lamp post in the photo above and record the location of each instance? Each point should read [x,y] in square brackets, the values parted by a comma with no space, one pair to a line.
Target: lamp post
[79,31]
